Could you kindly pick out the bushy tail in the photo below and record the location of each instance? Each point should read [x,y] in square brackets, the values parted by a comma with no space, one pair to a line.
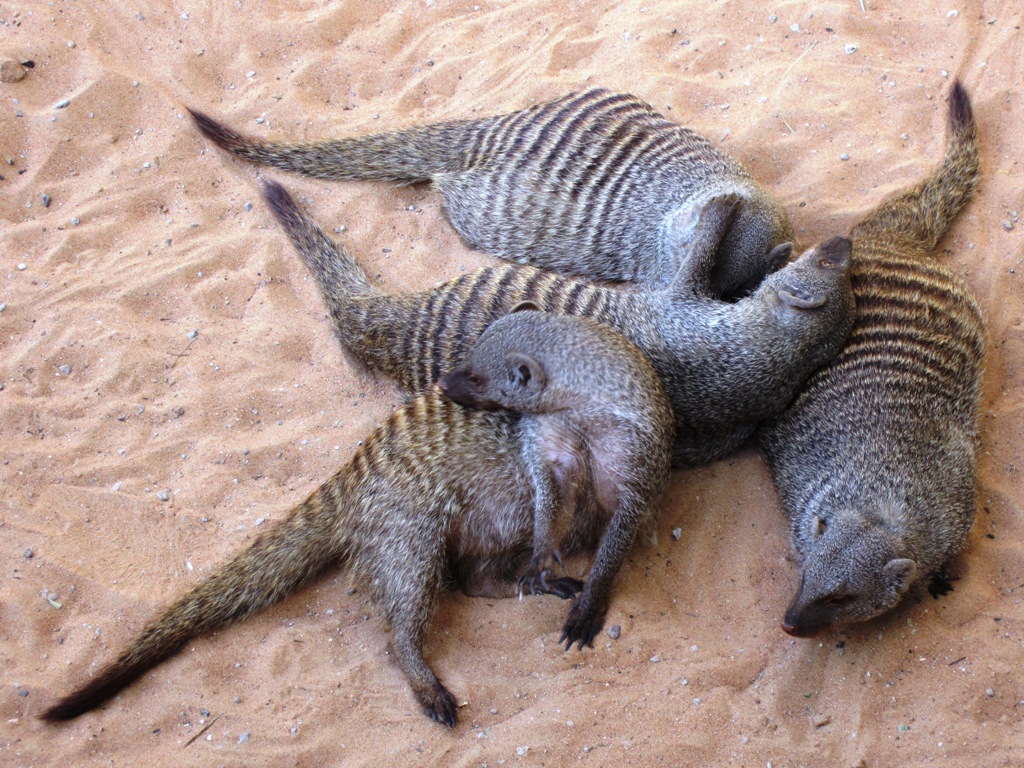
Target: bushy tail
[340,278]
[415,154]
[274,566]
[922,214]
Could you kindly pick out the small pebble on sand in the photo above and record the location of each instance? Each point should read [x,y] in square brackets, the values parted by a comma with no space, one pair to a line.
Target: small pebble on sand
[614,631]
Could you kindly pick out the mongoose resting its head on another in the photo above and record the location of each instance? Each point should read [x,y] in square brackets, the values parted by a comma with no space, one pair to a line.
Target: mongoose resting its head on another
[725,366]
[441,492]
[875,458]
[594,184]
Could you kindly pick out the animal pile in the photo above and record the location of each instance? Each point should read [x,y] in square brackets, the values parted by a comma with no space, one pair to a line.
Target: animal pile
[581,395]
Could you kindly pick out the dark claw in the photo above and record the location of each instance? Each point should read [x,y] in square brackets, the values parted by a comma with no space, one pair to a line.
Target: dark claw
[941,583]
[442,708]
[581,627]
[564,587]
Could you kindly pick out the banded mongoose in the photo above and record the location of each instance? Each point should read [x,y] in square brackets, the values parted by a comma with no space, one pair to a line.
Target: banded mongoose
[594,184]
[443,493]
[875,459]
[725,366]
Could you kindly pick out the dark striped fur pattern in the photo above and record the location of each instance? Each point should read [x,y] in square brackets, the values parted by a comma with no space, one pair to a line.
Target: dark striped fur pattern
[875,459]
[725,366]
[441,493]
[596,184]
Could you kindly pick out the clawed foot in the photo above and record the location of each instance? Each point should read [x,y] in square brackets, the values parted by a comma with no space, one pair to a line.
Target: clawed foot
[538,583]
[581,627]
[941,583]
[441,706]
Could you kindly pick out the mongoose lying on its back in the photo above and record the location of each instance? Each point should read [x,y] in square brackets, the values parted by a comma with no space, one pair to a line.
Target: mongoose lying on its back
[725,366]
[441,491]
[875,459]
[594,184]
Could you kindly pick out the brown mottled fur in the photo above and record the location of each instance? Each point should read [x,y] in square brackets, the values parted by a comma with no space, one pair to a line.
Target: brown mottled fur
[441,491]
[875,458]
[595,184]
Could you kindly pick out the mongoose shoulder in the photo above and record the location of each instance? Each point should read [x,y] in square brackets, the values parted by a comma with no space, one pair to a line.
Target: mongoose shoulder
[441,492]
[875,458]
[594,184]
[725,366]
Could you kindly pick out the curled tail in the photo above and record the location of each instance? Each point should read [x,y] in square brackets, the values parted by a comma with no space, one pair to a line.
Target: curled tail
[274,566]
[922,214]
[415,154]
[340,278]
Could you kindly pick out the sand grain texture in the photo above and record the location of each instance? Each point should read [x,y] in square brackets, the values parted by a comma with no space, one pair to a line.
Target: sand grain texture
[242,421]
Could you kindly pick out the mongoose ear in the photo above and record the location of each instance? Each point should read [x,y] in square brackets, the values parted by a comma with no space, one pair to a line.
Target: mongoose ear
[835,253]
[779,256]
[524,371]
[525,306]
[817,527]
[899,574]
[799,298]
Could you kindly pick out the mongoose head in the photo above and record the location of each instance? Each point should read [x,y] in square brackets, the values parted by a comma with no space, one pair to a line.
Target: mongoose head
[852,571]
[815,288]
[503,369]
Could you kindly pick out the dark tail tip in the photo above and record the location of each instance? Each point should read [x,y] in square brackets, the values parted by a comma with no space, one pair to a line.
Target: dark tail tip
[961,117]
[281,203]
[78,703]
[219,134]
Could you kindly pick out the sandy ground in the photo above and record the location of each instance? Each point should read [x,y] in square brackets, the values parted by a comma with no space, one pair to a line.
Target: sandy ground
[150,234]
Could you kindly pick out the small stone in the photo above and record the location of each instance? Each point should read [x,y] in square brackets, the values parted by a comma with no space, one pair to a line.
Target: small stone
[260,520]
[62,103]
[71,43]
[677,533]
[12,70]
[46,200]
[27,553]
[22,267]
[654,659]
[614,631]
[952,14]
[251,73]
[117,486]
[521,751]
[244,738]
[204,713]
[494,710]
[23,692]
[65,370]
[139,409]
[193,334]
[75,221]
[794,27]
[248,206]
[2,307]
[1007,225]
[989,692]
[163,495]
[772,19]
[851,48]
[844,156]
[696,702]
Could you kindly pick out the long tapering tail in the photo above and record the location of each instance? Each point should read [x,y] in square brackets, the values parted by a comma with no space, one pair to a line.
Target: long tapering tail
[338,274]
[274,566]
[923,213]
[411,155]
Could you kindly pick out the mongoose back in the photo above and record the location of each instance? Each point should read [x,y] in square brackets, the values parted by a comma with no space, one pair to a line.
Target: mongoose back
[725,366]
[875,459]
[594,184]
[441,492]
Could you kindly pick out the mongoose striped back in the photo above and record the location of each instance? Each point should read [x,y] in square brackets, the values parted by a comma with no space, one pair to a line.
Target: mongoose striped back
[596,184]
[875,458]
